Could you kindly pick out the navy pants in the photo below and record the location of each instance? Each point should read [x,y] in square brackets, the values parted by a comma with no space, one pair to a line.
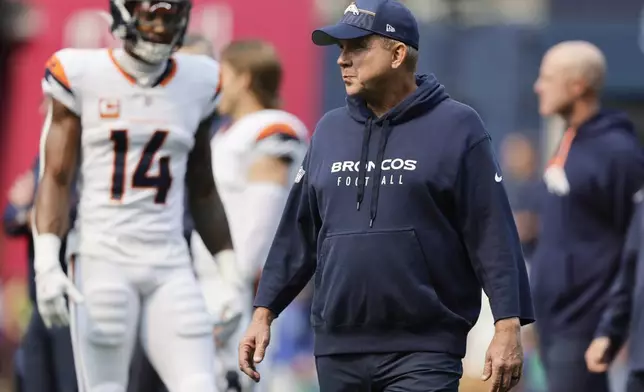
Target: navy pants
[47,359]
[396,372]
[566,369]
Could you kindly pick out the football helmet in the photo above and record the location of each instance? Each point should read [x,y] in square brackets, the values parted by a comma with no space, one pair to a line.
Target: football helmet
[151,29]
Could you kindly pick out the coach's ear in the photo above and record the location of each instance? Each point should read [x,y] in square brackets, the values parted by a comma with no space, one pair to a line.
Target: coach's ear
[398,54]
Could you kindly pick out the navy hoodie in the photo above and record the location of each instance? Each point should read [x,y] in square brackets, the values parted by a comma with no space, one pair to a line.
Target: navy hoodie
[624,315]
[583,232]
[402,219]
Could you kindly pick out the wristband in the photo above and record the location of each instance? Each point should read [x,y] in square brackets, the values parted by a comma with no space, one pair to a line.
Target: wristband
[228,268]
[46,252]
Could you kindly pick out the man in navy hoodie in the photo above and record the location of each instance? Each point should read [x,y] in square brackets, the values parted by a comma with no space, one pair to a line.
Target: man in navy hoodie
[591,181]
[624,315]
[400,214]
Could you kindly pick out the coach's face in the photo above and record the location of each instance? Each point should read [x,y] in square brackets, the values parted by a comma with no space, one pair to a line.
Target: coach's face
[363,61]
[555,88]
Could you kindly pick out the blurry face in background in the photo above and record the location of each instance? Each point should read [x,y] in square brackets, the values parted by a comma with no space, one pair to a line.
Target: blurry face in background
[518,156]
[556,88]
[233,86]
[363,63]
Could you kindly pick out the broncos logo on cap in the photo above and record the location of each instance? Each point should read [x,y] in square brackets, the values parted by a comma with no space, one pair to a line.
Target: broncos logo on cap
[353,8]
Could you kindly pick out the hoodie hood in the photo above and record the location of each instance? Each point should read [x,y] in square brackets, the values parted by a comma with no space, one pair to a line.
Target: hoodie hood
[428,94]
[425,98]
[606,121]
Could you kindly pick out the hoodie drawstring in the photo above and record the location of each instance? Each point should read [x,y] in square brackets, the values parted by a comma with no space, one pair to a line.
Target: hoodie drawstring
[375,186]
[363,165]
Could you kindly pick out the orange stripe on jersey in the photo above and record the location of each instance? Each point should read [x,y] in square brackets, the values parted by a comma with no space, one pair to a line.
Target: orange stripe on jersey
[130,79]
[275,129]
[564,148]
[55,67]
[170,74]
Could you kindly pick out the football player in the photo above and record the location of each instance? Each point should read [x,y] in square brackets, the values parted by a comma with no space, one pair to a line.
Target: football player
[130,127]
[255,159]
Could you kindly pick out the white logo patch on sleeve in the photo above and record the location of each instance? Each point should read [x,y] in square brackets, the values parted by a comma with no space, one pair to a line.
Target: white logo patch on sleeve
[300,174]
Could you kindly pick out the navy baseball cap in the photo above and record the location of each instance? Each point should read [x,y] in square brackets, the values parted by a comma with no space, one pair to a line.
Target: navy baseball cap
[387,18]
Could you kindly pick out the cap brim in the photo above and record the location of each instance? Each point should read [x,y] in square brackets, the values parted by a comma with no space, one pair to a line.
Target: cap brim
[330,35]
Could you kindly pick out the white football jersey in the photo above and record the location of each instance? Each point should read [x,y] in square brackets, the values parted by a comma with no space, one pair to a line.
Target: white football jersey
[134,150]
[264,133]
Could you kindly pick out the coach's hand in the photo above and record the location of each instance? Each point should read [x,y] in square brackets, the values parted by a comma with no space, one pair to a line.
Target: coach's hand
[504,357]
[597,359]
[252,347]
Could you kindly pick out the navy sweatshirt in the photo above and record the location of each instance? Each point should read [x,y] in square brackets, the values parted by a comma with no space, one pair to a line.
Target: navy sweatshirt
[583,232]
[624,314]
[400,250]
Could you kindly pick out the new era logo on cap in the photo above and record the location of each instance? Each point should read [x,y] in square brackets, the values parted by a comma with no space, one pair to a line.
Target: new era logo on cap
[366,17]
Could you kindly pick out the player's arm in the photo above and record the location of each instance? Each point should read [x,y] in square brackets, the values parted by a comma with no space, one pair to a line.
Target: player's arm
[265,196]
[291,259]
[204,202]
[59,152]
[290,264]
[60,145]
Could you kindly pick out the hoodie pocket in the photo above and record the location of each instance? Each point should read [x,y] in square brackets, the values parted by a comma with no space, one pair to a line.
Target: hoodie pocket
[374,279]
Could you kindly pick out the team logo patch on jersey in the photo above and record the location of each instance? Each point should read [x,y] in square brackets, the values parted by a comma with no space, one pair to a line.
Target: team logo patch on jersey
[109,108]
[300,174]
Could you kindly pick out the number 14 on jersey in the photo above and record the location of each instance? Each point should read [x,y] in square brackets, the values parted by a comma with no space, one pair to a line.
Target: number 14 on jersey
[141,177]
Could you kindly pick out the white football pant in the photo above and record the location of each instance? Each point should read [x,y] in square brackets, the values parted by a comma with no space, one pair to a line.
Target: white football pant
[163,304]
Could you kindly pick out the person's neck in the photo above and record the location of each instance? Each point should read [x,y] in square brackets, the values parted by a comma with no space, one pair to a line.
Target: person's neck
[581,112]
[246,106]
[396,92]
[136,68]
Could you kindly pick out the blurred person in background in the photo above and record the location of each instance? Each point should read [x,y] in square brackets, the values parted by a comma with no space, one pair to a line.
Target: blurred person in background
[623,319]
[591,181]
[131,273]
[255,158]
[521,179]
[525,188]
[46,357]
